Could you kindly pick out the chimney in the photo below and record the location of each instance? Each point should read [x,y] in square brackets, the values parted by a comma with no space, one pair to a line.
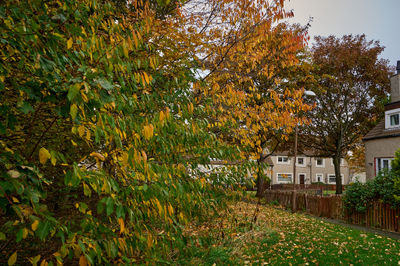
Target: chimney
[398,67]
[395,85]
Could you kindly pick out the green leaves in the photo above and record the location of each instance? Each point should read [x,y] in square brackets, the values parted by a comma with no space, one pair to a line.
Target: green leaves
[43,229]
[109,206]
[26,108]
[73,91]
[118,124]
[104,83]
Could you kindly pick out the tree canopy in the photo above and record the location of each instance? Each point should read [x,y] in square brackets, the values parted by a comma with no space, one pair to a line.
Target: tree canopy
[351,85]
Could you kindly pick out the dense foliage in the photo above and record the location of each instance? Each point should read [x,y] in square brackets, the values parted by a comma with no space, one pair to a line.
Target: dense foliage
[96,137]
[104,121]
[385,186]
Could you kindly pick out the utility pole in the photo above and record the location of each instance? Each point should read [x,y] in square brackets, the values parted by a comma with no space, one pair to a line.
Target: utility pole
[295,157]
[294,207]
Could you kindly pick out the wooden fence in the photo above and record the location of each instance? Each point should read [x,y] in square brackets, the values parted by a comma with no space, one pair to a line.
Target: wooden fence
[305,187]
[378,215]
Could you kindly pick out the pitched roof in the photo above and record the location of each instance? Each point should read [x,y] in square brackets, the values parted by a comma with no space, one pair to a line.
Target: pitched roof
[308,153]
[269,161]
[379,132]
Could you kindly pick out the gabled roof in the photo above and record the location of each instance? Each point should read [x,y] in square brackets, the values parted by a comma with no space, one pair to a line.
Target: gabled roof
[379,132]
[269,161]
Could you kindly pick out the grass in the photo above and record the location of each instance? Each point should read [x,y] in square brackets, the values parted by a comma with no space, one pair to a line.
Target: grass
[328,192]
[259,235]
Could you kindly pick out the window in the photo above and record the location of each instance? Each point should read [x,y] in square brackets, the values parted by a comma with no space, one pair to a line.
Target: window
[283,160]
[319,178]
[394,120]
[332,179]
[319,162]
[383,163]
[284,178]
[301,161]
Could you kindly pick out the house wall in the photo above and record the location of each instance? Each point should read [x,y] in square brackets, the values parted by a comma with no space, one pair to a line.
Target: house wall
[310,170]
[379,148]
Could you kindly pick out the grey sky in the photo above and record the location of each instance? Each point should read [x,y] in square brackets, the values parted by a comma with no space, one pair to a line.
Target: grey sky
[378,19]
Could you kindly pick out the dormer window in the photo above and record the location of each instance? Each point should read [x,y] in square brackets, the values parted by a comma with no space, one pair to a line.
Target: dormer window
[392,119]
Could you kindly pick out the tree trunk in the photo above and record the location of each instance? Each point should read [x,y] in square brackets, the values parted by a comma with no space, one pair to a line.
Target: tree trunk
[336,163]
[260,180]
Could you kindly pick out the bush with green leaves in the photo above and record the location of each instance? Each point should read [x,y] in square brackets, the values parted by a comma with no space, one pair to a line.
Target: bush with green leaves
[385,186]
[97,133]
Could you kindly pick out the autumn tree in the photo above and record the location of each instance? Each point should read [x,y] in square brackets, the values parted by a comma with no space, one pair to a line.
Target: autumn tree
[97,131]
[258,95]
[356,158]
[351,83]
[246,54]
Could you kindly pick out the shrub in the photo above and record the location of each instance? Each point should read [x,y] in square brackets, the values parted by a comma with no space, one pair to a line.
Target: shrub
[386,186]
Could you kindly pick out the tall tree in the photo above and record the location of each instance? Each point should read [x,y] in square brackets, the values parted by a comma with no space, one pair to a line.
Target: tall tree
[248,56]
[351,82]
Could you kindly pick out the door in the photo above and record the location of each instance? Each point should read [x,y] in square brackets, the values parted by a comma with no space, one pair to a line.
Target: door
[302,177]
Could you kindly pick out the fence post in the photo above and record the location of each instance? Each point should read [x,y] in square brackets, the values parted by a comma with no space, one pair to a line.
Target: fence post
[294,203]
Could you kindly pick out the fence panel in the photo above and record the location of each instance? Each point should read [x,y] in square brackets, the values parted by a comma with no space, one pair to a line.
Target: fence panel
[378,214]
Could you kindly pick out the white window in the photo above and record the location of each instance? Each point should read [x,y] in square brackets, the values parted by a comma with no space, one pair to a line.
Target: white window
[320,162]
[283,160]
[383,163]
[319,178]
[392,119]
[332,178]
[301,161]
[284,177]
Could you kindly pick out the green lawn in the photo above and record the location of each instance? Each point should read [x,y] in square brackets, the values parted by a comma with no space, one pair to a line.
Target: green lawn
[279,237]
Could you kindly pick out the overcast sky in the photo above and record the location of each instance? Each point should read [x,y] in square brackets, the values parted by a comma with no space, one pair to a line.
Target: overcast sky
[378,19]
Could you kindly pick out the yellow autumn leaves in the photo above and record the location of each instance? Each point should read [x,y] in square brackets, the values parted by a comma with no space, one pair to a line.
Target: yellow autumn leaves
[44,155]
[148,131]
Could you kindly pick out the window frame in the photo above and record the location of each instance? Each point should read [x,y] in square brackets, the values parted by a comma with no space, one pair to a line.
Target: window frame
[388,115]
[304,161]
[282,162]
[379,160]
[284,182]
[323,162]
[330,175]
